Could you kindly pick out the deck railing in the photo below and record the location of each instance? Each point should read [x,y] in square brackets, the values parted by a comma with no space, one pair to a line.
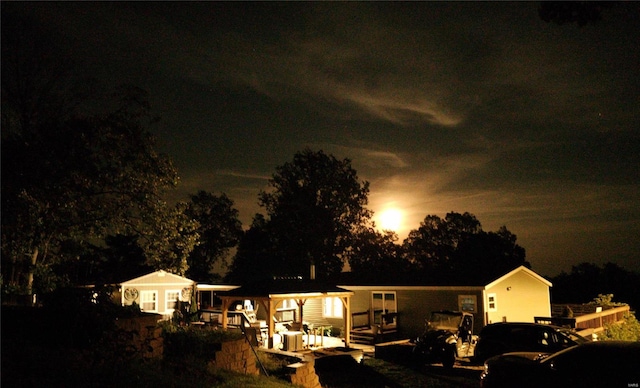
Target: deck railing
[234,318]
[589,323]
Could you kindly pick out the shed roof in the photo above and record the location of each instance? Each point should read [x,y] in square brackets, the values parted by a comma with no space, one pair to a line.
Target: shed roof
[160,278]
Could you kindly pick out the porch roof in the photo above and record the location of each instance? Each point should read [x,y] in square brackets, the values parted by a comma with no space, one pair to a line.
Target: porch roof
[271,292]
[287,288]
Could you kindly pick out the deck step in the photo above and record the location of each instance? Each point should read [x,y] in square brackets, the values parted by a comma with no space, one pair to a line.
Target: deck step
[369,338]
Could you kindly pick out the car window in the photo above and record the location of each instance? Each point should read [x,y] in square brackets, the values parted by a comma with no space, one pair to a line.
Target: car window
[545,339]
[519,336]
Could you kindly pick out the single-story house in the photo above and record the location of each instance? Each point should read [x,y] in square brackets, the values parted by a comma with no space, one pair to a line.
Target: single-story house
[157,292]
[401,310]
[358,312]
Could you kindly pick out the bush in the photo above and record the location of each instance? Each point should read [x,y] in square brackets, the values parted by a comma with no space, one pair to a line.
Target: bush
[629,330]
[188,344]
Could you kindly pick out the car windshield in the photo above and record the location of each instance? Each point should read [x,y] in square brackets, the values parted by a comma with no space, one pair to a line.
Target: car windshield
[443,320]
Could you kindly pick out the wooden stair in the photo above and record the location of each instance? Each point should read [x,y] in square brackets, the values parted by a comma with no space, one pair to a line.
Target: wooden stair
[371,336]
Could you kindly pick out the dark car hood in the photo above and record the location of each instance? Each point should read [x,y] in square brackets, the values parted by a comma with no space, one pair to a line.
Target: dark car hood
[517,358]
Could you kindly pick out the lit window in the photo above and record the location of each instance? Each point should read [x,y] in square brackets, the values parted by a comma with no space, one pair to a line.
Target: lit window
[288,304]
[149,301]
[171,299]
[333,308]
[493,302]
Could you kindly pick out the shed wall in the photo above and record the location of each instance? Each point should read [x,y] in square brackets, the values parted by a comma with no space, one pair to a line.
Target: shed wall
[519,298]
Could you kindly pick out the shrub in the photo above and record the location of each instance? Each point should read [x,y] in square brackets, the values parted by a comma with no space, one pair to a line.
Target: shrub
[629,330]
[185,343]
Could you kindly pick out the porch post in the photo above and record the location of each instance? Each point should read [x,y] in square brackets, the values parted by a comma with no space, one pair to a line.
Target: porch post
[347,321]
[300,303]
[270,323]
[225,307]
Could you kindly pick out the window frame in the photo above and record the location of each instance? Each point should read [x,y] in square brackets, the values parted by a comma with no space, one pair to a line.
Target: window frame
[493,302]
[332,307]
[143,300]
[168,309]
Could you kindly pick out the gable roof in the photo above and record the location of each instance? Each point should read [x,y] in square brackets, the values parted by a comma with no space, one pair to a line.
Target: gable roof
[524,269]
[160,278]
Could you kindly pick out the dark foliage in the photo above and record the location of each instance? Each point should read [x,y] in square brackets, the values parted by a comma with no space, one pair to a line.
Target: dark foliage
[455,250]
[219,230]
[587,280]
[256,259]
[314,205]
[580,12]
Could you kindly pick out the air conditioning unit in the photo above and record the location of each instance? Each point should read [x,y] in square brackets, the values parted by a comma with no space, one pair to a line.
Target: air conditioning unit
[292,341]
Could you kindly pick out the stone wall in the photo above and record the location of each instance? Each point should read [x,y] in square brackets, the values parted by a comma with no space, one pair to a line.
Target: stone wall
[236,356]
[142,335]
[303,373]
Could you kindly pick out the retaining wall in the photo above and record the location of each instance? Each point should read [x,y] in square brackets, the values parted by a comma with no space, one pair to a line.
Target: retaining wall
[303,373]
[236,356]
[142,335]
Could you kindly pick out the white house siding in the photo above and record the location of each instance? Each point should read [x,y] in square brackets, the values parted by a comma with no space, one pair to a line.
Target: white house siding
[159,282]
[520,296]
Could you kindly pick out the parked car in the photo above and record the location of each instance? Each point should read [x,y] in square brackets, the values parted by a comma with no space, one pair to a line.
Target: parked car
[499,338]
[447,336]
[591,364]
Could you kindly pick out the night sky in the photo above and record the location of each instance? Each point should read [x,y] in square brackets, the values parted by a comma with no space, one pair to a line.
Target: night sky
[478,107]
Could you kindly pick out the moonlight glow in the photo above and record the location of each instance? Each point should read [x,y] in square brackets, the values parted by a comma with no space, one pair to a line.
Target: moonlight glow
[390,219]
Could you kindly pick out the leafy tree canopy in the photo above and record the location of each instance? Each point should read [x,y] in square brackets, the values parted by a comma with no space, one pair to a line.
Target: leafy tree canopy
[256,258]
[456,249]
[72,174]
[314,205]
[219,231]
[377,258]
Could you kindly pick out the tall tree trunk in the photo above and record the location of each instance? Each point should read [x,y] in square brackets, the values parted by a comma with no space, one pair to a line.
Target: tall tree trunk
[32,269]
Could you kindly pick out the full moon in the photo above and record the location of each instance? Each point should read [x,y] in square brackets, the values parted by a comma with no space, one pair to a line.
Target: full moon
[390,219]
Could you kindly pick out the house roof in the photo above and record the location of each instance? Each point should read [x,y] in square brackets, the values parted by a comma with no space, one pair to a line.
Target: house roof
[159,278]
[524,269]
[466,281]
[288,288]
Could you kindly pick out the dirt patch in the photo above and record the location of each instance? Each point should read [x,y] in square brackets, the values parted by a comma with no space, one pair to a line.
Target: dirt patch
[344,372]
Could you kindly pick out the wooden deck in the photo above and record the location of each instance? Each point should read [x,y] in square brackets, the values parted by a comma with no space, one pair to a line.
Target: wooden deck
[588,319]
[370,333]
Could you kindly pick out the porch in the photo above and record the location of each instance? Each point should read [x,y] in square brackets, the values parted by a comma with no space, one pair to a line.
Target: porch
[282,303]
[373,327]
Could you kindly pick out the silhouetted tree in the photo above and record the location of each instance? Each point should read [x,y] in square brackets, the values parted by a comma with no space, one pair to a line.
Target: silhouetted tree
[314,206]
[256,258]
[70,177]
[433,245]
[580,12]
[456,249]
[219,230]
[376,257]
[587,280]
